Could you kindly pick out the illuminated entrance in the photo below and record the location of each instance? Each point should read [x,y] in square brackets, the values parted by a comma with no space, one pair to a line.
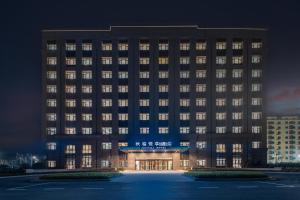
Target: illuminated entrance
[154,165]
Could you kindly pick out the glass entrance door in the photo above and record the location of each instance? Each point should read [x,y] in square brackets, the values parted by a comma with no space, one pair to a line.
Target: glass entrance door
[153,165]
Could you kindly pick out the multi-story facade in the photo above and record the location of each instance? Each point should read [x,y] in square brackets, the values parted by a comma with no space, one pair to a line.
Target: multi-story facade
[283,139]
[154,97]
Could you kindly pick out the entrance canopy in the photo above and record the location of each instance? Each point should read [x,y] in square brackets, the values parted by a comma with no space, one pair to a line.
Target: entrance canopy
[156,150]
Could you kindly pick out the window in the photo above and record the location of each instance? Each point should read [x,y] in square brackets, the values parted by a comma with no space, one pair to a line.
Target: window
[70,89]
[201,163]
[256,101]
[123,116]
[123,102]
[184,102]
[163,116]
[200,73]
[163,130]
[237,60]
[184,130]
[220,73]
[87,75]
[87,131]
[200,115]
[70,47]
[237,45]
[123,46]
[51,60]
[237,148]
[123,75]
[237,115]
[104,163]
[51,131]
[184,144]
[106,145]
[184,46]
[106,60]
[201,129]
[144,130]
[144,116]
[256,73]
[123,88]
[123,144]
[200,59]
[256,115]
[256,45]
[237,73]
[106,130]
[221,60]
[237,87]
[52,75]
[163,60]
[237,162]
[256,87]
[87,61]
[201,45]
[184,74]
[221,116]
[51,46]
[87,46]
[220,102]
[163,88]
[106,46]
[163,74]
[70,163]
[237,102]
[144,74]
[51,102]
[201,145]
[86,89]
[255,59]
[51,146]
[106,88]
[86,117]
[106,102]
[70,61]
[144,46]
[220,88]
[256,129]
[200,87]
[51,89]
[86,161]
[184,88]
[70,130]
[51,117]
[144,61]
[86,103]
[144,88]
[237,129]
[184,116]
[106,74]
[163,102]
[71,75]
[255,145]
[123,61]
[220,45]
[106,116]
[221,129]
[70,103]
[86,148]
[123,130]
[163,46]
[220,148]
[70,117]
[51,163]
[184,60]
[70,149]
[200,101]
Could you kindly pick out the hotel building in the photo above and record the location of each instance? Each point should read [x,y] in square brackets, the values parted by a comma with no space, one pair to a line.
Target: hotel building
[154,97]
[283,139]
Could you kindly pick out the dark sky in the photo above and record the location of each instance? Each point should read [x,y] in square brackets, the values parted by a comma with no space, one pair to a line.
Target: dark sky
[20,47]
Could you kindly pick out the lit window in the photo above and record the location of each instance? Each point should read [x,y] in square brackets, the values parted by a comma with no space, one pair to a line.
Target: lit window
[144,102]
[86,103]
[123,46]
[163,102]
[70,61]
[106,130]
[184,74]
[104,163]
[70,163]
[220,73]
[70,117]
[144,61]
[144,46]
[144,116]
[52,75]
[256,73]
[106,88]
[86,148]
[51,116]
[200,73]
[200,59]
[123,75]
[87,61]
[87,46]
[51,131]
[256,115]
[51,60]
[237,73]
[51,163]
[255,59]
[201,163]
[123,61]
[221,162]
[51,146]
[123,88]
[184,102]
[86,89]
[237,162]
[184,60]
[237,45]
[220,148]
[86,161]
[51,89]
[237,102]
[123,144]
[220,102]
[123,116]
[238,60]
[163,74]
[106,102]
[163,130]
[144,130]
[87,75]
[237,87]
[106,60]
[163,116]
[184,144]
[221,60]
[71,75]
[184,46]
[87,131]
[106,116]
[163,88]
[144,74]
[237,129]
[184,116]
[237,148]
[106,145]
[200,115]
[255,145]
[163,60]
[221,129]
[256,45]
[144,88]
[201,145]
[86,117]
[256,129]
[70,47]
[123,102]
[51,46]
[237,115]
[105,46]
[70,149]
[201,45]
[220,116]
[184,88]
[70,130]
[163,46]
[256,87]
[200,87]
[70,103]
[184,130]
[220,88]
[201,129]
[51,102]
[106,74]
[256,101]
[221,45]
[200,102]
[123,130]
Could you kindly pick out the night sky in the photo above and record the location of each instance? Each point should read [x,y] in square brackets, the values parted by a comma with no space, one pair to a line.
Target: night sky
[20,48]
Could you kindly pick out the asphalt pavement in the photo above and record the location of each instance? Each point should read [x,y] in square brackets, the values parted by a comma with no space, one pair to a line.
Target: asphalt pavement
[152,186]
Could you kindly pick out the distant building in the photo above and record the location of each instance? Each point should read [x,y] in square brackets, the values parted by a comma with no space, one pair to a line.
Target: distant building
[154,97]
[283,138]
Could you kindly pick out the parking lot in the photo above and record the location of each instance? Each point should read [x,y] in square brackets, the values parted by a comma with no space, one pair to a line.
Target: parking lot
[151,186]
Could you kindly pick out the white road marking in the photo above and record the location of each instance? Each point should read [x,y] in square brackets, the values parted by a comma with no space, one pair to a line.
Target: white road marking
[54,188]
[208,187]
[271,183]
[285,186]
[16,189]
[93,188]
[247,186]
[28,186]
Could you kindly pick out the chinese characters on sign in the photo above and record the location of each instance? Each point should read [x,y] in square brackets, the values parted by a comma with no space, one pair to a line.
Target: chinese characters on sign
[153,145]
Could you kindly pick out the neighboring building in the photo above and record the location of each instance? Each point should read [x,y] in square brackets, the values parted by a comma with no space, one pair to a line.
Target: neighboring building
[283,138]
[154,97]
